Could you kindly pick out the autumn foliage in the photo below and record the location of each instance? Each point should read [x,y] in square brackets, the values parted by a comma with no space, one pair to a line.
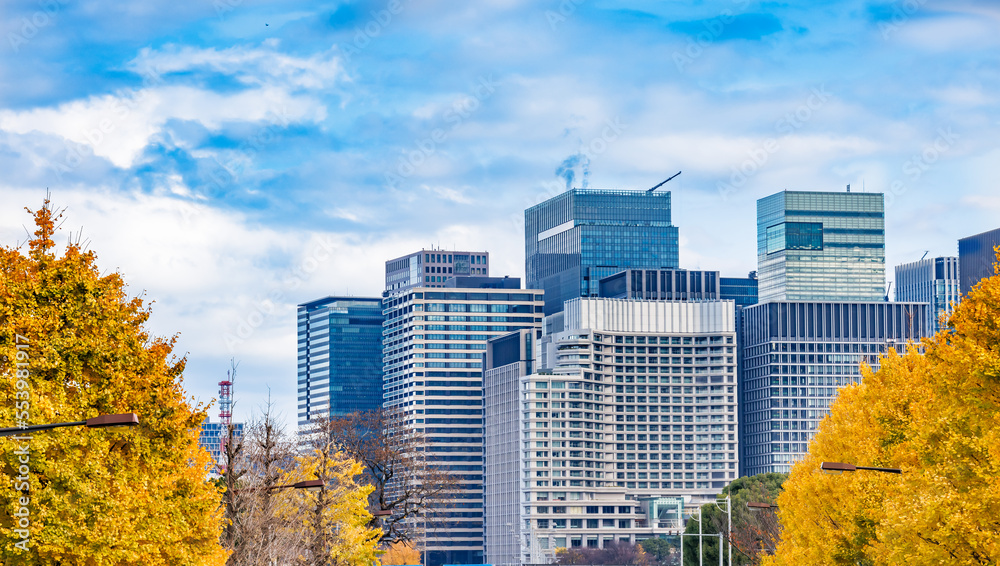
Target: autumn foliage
[937,417]
[133,496]
[401,553]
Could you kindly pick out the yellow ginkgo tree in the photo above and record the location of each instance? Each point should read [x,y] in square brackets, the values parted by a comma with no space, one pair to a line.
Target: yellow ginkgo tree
[936,416]
[337,526]
[73,345]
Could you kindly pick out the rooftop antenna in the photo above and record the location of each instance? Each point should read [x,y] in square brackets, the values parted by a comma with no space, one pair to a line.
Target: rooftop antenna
[848,187]
[663,183]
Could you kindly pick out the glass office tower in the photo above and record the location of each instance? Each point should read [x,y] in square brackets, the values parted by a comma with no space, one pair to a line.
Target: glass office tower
[340,356]
[579,237]
[976,258]
[934,281]
[821,246]
[433,345]
[741,290]
[796,356]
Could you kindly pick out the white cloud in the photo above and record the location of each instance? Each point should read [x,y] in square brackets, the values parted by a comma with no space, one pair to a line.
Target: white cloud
[982,201]
[963,96]
[948,33]
[251,66]
[448,193]
[119,127]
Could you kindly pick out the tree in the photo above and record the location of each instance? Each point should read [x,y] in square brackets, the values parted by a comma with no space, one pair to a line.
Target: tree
[937,417]
[257,533]
[754,533]
[73,345]
[401,553]
[614,552]
[660,550]
[404,482]
[339,528]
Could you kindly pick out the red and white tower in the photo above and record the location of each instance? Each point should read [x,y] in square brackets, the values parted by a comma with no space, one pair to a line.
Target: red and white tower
[226,401]
[225,415]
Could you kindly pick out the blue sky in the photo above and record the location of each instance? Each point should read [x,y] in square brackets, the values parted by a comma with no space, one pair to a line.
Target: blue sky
[234,158]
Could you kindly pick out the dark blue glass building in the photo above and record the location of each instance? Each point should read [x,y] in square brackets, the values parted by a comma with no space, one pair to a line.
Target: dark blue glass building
[579,237]
[741,290]
[976,258]
[211,437]
[796,357]
[340,356]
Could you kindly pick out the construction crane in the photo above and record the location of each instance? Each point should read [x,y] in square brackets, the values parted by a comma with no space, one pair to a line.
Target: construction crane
[925,255]
[663,183]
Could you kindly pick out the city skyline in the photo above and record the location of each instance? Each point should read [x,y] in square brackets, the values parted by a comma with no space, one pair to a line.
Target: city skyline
[235,160]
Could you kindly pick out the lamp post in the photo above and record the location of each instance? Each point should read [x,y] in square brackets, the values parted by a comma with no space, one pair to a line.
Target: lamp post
[308,485]
[838,467]
[376,515]
[103,421]
[701,534]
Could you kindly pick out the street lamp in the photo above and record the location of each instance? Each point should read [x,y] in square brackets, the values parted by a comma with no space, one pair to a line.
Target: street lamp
[376,515]
[838,467]
[308,485]
[700,535]
[103,421]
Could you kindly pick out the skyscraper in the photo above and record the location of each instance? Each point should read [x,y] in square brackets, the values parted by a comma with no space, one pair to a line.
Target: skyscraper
[509,358]
[822,312]
[431,268]
[339,357]
[796,355]
[821,246]
[976,258]
[433,346]
[577,238]
[933,281]
[628,419]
